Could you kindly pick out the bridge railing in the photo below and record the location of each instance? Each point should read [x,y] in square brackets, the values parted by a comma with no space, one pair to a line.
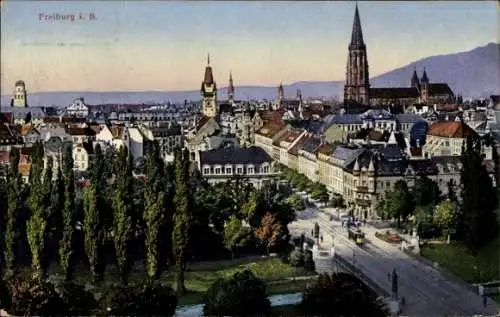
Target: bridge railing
[359,274]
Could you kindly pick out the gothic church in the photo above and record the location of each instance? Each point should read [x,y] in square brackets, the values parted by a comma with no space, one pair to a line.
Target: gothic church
[357,88]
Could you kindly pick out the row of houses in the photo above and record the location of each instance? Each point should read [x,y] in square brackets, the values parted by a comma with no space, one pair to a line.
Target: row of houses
[83,137]
[362,170]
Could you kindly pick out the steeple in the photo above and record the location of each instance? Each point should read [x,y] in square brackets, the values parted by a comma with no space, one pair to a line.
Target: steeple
[209,77]
[357,84]
[356,168]
[281,92]
[414,79]
[209,92]
[230,88]
[357,34]
[425,79]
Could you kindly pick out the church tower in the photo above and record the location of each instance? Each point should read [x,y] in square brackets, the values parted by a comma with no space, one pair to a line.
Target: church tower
[424,85]
[209,92]
[357,84]
[415,82]
[230,89]
[20,94]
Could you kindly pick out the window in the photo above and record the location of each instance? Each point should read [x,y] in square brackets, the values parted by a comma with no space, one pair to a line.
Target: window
[239,170]
[217,170]
[206,170]
[265,169]
[228,170]
[250,170]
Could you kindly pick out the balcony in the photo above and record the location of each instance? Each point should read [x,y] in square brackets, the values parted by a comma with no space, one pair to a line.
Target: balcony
[363,202]
[362,189]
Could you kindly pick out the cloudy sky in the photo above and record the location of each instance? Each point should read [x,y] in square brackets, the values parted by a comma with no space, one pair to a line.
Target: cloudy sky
[140,45]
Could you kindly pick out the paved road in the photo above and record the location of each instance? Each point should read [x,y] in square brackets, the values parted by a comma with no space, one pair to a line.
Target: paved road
[427,292]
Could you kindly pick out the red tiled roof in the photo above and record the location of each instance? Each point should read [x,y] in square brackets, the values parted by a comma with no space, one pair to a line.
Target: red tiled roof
[295,149]
[288,136]
[269,130]
[6,117]
[326,149]
[79,131]
[450,129]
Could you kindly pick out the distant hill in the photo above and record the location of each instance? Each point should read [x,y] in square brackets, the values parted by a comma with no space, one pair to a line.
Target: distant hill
[474,74]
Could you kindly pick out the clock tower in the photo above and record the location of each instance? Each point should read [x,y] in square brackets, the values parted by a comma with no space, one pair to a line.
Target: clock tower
[209,92]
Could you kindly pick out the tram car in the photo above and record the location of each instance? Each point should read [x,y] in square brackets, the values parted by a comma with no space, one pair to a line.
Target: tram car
[357,236]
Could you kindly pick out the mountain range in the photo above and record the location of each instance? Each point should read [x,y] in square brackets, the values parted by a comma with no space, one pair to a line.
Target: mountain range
[472,74]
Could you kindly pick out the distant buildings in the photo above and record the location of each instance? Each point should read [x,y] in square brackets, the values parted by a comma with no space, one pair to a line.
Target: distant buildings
[20,95]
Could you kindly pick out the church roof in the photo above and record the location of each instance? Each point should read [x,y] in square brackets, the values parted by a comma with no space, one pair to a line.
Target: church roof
[394,92]
[439,89]
[357,34]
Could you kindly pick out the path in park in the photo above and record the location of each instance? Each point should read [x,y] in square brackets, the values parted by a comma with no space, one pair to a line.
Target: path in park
[427,291]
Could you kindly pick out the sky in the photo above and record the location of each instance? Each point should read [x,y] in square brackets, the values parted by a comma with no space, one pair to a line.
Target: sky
[163,46]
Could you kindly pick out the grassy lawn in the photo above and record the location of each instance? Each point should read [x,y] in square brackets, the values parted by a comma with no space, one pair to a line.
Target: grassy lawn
[201,275]
[456,259]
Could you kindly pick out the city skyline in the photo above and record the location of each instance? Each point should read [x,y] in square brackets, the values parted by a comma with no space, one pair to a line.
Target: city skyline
[162,46]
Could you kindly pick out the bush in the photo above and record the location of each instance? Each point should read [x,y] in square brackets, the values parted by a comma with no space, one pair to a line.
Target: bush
[79,302]
[308,261]
[4,295]
[241,295]
[33,297]
[139,300]
[297,258]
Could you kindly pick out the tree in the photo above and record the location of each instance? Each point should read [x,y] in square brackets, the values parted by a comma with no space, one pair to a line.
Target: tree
[37,224]
[182,217]
[296,202]
[269,232]
[242,295]
[426,191]
[14,203]
[154,214]
[93,232]
[445,217]
[477,219]
[122,213]
[34,297]
[55,214]
[297,258]
[139,300]
[308,261]
[319,192]
[67,238]
[231,231]
[451,194]
[341,294]
[399,202]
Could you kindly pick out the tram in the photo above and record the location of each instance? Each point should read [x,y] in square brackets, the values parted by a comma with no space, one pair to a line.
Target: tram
[357,236]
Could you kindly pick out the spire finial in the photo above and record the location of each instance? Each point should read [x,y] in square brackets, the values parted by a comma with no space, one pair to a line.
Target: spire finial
[208,59]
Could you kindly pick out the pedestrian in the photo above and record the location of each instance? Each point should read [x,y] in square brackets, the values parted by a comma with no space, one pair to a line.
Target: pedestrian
[312,232]
[321,238]
[403,301]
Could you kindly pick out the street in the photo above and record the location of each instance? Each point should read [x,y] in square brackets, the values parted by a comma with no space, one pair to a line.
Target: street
[426,291]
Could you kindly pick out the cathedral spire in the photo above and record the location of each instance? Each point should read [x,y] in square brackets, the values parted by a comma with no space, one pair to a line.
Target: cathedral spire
[425,79]
[357,34]
[230,88]
[208,59]
[415,82]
